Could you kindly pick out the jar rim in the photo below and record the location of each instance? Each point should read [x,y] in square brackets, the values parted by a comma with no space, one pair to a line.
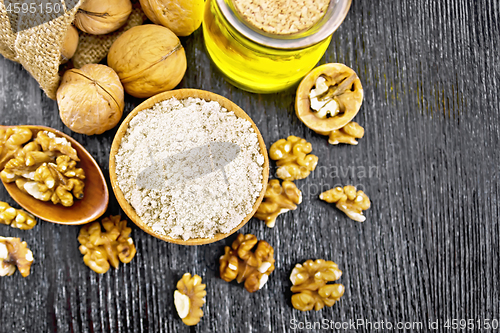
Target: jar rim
[335,14]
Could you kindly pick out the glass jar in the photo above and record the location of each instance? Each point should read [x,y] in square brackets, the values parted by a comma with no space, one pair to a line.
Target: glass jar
[260,62]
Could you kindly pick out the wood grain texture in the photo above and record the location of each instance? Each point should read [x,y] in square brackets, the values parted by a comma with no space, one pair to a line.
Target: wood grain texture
[429,249]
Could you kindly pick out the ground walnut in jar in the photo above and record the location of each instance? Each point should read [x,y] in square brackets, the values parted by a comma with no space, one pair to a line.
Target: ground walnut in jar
[268,46]
[282,17]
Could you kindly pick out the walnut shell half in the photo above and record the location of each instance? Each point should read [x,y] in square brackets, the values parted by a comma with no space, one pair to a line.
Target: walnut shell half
[334,83]
[90,99]
[149,59]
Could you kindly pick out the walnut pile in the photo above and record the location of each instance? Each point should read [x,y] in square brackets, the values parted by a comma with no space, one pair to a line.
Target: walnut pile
[291,156]
[347,134]
[46,169]
[189,298]
[14,253]
[100,249]
[16,218]
[349,201]
[310,287]
[244,261]
[278,199]
[11,141]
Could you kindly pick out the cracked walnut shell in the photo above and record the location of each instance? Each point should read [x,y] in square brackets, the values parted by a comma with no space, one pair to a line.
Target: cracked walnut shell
[16,218]
[278,199]
[99,17]
[292,158]
[247,260]
[149,59]
[100,249]
[189,298]
[333,102]
[14,253]
[349,201]
[90,99]
[310,288]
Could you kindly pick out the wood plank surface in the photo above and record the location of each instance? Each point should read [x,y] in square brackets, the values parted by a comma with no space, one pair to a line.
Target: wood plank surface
[429,162]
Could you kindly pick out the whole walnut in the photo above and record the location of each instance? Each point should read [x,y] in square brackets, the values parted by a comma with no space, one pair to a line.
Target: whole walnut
[182,17]
[69,45]
[99,17]
[149,59]
[90,99]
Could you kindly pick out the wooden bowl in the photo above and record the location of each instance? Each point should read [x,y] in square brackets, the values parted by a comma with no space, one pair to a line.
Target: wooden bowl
[88,209]
[182,94]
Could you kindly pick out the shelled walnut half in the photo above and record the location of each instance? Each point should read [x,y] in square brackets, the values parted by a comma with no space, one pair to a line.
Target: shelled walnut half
[16,218]
[11,141]
[310,288]
[55,144]
[247,260]
[328,98]
[46,169]
[100,249]
[14,253]
[293,158]
[349,201]
[189,298]
[278,199]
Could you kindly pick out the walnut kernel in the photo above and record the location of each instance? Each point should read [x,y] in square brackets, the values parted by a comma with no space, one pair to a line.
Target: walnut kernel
[347,134]
[244,261]
[100,249]
[309,285]
[349,201]
[16,218]
[292,158]
[189,298]
[14,253]
[11,140]
[278,199]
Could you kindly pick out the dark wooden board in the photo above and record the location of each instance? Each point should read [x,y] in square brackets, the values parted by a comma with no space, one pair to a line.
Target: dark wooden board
[429,249]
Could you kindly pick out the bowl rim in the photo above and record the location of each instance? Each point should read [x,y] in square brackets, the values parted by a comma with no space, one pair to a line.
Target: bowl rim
[182,94]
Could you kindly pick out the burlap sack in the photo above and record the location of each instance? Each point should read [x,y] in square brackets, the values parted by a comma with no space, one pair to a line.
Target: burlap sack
[38,47]
[93,48]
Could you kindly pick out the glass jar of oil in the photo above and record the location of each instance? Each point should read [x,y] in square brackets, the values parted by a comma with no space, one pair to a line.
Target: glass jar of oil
[260,62]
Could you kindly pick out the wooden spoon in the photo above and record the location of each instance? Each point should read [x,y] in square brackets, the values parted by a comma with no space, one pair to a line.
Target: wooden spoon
[88,209]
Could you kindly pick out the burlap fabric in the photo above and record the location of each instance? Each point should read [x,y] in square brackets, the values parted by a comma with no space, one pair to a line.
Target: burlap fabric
[93,48]
[38,48]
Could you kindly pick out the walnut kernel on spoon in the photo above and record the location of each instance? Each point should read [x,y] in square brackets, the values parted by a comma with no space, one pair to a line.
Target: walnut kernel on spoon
[327,100]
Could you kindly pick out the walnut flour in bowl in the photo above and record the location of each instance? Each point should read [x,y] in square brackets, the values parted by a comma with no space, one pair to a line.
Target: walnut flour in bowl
[189,168]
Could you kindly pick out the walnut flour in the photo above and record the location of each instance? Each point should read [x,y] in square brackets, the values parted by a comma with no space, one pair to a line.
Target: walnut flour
[197,207]
[282,17]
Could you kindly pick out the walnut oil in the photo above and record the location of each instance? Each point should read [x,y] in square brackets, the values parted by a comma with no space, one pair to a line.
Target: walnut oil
[260,62]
